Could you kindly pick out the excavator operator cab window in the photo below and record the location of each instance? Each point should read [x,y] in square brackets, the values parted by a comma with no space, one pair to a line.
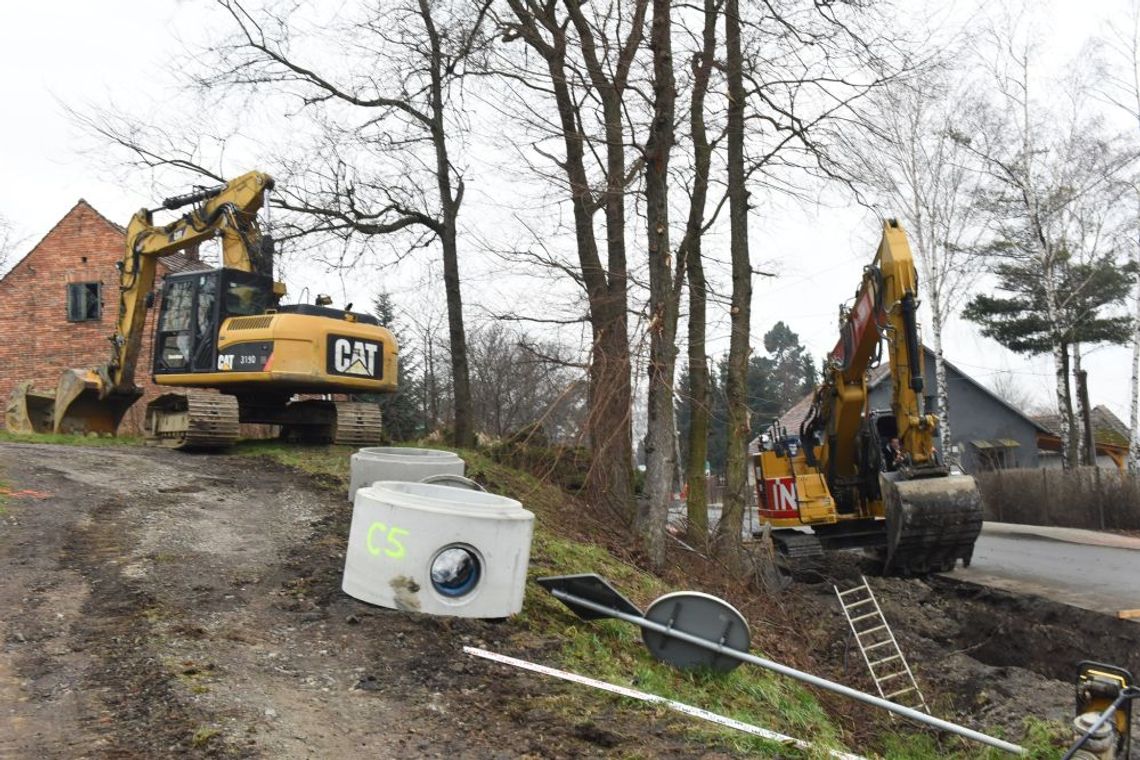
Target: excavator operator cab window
[173,341]
[887,431]
[245,299]
[194,305]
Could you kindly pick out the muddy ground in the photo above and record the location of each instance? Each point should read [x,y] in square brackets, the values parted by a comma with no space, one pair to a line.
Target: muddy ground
[156,603]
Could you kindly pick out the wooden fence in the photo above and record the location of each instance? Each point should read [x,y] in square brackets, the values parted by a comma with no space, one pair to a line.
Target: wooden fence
[1094,498]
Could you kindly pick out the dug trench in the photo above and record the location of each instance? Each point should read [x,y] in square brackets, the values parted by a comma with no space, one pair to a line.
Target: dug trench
[157,603]
[986,658]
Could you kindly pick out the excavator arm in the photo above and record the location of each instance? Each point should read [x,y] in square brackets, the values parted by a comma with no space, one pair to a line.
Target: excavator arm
[931,517]
[886,304]
[227,211]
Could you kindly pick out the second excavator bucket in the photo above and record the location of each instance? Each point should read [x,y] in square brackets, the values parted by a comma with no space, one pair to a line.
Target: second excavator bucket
[29,410]
[931,522]
[82,403]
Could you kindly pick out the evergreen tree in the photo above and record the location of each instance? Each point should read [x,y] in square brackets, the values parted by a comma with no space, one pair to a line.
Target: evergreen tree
[775,383]
[1021,323]
[402,410]
[778,381]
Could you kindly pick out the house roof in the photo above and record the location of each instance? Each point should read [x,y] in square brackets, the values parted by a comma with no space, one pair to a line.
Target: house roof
[794,417]
[175,262]
[883,371]
[1107,427]
[80,204]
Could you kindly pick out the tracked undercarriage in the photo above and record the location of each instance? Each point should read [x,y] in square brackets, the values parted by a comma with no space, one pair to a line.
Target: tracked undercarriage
[208,420]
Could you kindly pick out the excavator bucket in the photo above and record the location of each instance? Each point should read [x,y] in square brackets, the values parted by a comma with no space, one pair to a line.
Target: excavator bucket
[81,404]
[29,410]
[931,522]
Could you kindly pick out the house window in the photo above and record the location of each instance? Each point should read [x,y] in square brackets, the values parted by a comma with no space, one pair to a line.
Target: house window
[84,301]
[997,454]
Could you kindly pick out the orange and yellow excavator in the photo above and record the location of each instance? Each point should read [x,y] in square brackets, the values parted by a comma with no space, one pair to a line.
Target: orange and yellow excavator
[224,336]
[860,478]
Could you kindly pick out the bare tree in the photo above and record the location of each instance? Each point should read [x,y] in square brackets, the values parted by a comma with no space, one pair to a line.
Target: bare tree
[374,117]
[1045,172]
[1119,80]
[523,384]
[588,53]
[660,441]
[907,154]
[728,538]
[690,251]
[1006,387]
[8,243]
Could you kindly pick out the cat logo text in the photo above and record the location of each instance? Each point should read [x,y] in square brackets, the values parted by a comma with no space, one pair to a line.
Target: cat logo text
[354,356]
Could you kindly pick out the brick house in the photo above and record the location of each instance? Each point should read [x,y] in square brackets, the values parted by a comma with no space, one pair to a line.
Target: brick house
[59,305]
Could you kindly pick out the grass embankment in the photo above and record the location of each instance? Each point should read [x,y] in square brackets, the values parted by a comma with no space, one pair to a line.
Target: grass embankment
[608,650]
[611,650]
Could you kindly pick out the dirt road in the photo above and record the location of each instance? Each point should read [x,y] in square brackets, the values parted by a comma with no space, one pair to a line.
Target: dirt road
[157,603]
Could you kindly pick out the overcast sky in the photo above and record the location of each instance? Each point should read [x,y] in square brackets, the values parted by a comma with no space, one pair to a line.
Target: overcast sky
[55,52]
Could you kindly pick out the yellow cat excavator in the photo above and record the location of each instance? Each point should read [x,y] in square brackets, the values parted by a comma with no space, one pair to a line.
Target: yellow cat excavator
[864,479]
[225,330]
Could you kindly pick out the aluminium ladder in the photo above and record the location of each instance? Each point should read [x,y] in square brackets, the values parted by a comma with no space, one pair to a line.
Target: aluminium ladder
[889,669]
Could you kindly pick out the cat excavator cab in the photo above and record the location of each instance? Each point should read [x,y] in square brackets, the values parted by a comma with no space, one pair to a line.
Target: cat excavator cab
[856,478]
[223,336]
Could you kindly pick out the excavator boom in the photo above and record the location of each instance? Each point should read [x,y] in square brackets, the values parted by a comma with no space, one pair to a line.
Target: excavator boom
[861,477]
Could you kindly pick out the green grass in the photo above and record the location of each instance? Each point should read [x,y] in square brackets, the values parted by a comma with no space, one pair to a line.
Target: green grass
[69,440]
[203,736]
[1043,740]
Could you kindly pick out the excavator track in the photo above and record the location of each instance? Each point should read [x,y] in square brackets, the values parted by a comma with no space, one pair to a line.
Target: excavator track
[931,523]
[317,421]
[357,424]
[193,420]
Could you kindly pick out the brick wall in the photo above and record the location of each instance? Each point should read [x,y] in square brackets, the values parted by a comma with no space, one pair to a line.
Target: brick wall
[37,342]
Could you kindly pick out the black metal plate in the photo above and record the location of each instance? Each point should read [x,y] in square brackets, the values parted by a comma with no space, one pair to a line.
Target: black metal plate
[591,587]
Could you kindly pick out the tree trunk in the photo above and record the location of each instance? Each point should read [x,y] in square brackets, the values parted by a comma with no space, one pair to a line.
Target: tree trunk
[609,480]
[450,201]
[1081,418]
[1088,442]
[1134,411]
[697,508]
[1064,405]
[942,387]
[728,539]
[653,514]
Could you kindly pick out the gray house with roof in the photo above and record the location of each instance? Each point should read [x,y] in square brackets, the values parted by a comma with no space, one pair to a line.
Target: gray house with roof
[986,432]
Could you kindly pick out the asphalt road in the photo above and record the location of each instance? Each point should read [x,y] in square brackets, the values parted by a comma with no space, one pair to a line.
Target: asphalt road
[1094,571]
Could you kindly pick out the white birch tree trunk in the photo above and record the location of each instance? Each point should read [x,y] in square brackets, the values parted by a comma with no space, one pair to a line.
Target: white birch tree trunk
[1063,429]
[942,388]
[1082,412]
[1134,412]
[1060,365]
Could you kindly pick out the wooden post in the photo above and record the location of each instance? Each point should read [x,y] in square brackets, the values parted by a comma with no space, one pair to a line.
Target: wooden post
[1099,496]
